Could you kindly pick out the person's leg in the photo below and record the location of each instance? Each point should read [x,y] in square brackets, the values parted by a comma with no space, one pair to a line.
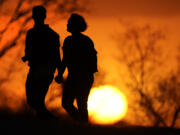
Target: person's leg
[68,98]
[36,91]
[30,91]
[41,91]
[40,102]
[82,98]
[82,107]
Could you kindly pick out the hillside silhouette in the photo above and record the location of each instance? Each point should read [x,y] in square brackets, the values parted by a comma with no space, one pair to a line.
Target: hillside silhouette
[27,124]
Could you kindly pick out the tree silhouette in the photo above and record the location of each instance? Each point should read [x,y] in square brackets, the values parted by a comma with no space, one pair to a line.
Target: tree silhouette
[169,88]
[139,49]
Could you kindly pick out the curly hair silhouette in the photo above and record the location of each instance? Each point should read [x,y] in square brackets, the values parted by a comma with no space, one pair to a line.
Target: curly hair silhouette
[76,23]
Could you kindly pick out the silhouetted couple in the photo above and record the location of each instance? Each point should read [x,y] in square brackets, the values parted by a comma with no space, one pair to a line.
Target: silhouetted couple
[43,56]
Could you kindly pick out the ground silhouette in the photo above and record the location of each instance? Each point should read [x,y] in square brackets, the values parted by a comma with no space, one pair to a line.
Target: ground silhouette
[27,124]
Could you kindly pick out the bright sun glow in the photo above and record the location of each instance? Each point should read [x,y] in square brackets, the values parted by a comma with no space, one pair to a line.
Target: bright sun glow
[106,105]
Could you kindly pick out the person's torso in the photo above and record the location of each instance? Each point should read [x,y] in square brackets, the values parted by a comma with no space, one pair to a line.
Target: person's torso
[78,54]
[42,46]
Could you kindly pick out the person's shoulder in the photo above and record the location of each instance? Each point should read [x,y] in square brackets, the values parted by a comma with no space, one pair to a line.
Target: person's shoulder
[89,42]
[67,39]
[52,32]
[87,39]
[30,31]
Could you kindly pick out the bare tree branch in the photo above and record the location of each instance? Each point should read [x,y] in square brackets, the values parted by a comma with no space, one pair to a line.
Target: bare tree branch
[136,64]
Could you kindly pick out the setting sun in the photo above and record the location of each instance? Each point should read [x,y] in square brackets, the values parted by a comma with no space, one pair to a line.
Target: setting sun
[106,105]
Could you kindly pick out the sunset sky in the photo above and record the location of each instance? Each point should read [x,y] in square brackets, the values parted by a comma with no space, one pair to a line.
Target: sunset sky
[129,8]
[107,20]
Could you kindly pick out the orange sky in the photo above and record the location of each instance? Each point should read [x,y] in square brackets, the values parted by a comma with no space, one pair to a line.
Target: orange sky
[105,18]
[116,8]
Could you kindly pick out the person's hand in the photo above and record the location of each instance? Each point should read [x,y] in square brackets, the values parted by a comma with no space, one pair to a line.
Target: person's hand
[59,79]
[24,59]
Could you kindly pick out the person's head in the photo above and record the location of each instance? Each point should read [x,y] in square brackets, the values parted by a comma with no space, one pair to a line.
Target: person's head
[39,14]
[76,23]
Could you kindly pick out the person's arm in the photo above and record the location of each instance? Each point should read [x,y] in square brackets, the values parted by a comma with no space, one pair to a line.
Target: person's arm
[58,78]
[63,63]
[62,66]
[58,55]
[27,48]
[93,56]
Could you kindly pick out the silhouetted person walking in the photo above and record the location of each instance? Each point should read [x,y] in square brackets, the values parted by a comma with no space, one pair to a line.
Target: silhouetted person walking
[43,56]
[79,56]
